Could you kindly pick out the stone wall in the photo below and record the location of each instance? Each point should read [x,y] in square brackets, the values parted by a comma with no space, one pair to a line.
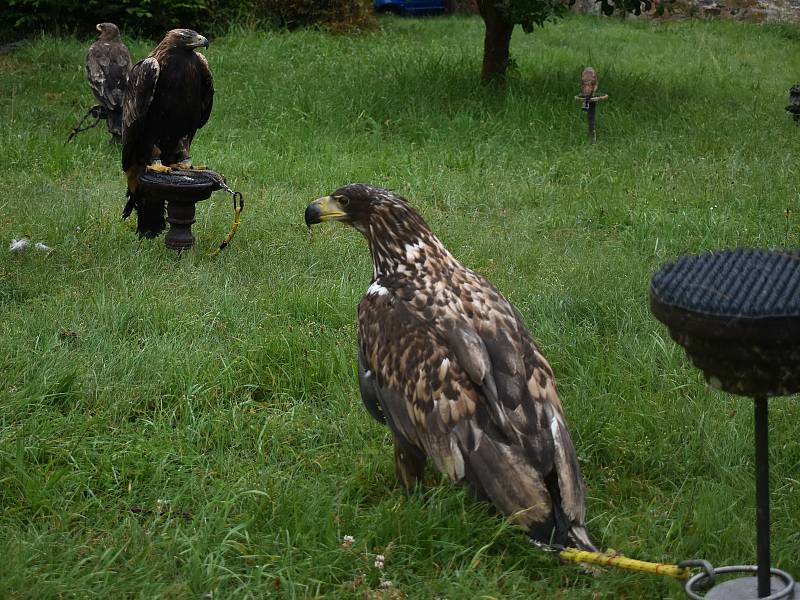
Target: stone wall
[741,10]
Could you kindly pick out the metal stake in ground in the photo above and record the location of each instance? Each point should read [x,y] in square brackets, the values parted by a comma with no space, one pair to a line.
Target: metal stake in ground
[590,98]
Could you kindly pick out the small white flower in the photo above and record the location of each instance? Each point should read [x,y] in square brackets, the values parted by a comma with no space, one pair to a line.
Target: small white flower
[385,583]
[18,245]
[348,541]
[380,559]
[40,245]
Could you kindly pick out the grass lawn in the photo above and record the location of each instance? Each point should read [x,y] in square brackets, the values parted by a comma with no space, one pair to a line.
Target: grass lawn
[190,427]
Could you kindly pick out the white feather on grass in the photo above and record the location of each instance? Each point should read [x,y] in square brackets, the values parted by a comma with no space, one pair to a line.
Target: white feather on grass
[18,245]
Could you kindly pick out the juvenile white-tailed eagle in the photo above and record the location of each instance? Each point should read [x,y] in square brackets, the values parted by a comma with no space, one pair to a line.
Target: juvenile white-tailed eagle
[169,97]
[448,364]
[107,64]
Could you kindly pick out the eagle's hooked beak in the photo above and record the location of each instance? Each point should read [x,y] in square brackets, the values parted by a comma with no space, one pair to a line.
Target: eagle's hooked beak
[98,27]
[324,209]
[199,41]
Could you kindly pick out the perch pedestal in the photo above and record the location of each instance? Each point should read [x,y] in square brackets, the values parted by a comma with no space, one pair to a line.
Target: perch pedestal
[181,191]
[737,315]
[590,107]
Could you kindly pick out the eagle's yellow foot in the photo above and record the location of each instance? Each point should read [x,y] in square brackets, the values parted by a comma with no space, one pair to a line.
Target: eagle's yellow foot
[157,167]
[186,165]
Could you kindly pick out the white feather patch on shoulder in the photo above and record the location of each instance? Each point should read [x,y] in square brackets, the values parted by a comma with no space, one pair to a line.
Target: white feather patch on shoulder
[376,289]
[412,250]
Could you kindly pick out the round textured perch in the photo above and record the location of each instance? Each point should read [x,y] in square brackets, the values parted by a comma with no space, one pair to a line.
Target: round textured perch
[181,191]
[737,314]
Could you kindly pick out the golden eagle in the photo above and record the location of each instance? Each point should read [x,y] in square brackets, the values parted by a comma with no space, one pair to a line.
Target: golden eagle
[107,64]
[447,363]
[169,97]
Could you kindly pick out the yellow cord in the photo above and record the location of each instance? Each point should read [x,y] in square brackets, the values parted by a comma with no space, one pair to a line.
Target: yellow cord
[237,211]
[621,562]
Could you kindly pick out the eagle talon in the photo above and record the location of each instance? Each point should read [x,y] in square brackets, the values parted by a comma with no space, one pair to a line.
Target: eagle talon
[157,167]
[188,166]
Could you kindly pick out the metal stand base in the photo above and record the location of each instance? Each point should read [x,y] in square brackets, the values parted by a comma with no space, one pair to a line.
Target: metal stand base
[743,588]
[180,216]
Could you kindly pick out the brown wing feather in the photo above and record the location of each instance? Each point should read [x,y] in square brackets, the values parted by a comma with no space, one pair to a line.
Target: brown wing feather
[207,96]
[480,400]
[107,66]
[142,81]
[421,390]
[529,399]
[429,399]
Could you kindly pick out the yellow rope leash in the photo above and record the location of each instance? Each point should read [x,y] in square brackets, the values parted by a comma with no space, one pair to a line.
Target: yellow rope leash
[237,211]
[621,562]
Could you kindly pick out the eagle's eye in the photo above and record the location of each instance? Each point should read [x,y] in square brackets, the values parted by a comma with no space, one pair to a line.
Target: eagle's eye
[343,200]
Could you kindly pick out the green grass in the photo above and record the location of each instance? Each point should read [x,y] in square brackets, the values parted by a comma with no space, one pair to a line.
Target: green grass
[190,427]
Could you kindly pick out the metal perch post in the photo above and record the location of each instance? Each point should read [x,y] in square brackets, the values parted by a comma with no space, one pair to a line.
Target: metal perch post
[589,97]
[737,315]
[590,106]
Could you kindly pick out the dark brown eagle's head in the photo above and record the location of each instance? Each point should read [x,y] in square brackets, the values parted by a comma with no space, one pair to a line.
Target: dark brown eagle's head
[356,204]
[388,222]
[108,31]
[187,39]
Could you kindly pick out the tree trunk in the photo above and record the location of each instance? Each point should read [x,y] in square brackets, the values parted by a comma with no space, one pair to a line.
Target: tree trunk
[496,42]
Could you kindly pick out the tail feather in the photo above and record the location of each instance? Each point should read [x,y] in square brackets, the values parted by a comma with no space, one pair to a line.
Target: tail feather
[129,205]
[556,531]
[150,214]
[565,530]
[578,537]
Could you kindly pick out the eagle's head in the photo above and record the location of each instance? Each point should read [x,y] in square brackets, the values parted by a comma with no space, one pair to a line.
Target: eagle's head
[108,31]
[185,38]
[357,204]
[388,222]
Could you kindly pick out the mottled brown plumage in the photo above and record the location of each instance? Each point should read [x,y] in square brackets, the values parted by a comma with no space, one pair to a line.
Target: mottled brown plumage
[448,364]
[169,97]
[107,64]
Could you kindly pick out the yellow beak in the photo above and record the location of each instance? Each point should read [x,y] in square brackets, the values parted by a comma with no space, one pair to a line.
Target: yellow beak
[323,209]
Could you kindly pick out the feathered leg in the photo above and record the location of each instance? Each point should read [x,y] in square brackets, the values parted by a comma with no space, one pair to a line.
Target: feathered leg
[182,159]
[155,165]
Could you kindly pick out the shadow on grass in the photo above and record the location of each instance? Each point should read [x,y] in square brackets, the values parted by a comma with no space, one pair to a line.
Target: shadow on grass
[433,96]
